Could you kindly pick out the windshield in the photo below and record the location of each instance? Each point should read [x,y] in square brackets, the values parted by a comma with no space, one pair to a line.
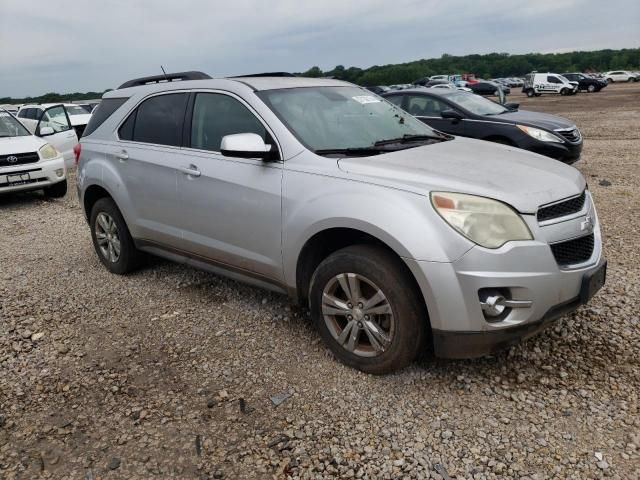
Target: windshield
[332,118]
[476,104]
[564,79]
[10,127]
[75,110]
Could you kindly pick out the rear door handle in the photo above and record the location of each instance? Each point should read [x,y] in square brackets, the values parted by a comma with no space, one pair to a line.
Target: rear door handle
[191,170]
[123,155]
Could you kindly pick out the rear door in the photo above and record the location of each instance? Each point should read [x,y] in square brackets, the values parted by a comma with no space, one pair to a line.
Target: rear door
[55,119]
[147,156]
[230,207]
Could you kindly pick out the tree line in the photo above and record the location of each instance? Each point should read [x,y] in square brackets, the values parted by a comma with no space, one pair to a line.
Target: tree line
[491,65]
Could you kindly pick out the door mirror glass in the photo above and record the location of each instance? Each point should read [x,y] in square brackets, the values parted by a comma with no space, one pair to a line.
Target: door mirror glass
[512,106]
[452,114]
[54,118]
[245,145]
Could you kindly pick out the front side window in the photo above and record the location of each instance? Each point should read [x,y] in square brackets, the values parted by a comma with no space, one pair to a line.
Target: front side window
[216,115]
[55,118]
[10,127]
[157,120]
[396,100]
[423,106]
[551,79]
[332,118]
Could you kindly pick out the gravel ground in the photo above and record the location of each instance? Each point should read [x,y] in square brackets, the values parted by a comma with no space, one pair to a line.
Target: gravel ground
[169,372]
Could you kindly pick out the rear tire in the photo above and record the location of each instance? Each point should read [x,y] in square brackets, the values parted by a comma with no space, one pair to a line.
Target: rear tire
[390,332]
[609,81]
[57,190]
[564,91]
[530,93]
[111,238]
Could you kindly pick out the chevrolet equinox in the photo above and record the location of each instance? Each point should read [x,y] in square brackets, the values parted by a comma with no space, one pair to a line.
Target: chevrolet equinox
[399,238]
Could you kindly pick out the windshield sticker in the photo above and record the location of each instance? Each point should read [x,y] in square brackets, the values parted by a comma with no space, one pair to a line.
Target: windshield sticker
[364,99]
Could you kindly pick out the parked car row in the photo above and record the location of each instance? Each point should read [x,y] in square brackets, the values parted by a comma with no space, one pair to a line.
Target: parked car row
[398,237]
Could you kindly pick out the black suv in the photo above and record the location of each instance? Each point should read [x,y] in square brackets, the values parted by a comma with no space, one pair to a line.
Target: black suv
[586,82]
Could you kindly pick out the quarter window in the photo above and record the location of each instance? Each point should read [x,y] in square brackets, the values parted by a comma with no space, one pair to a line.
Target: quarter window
[216,115]
[158,120]
[396,100]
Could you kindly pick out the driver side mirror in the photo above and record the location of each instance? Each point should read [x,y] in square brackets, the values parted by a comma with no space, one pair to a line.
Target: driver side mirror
[451,114]
[246,145]
[512,106]
[53,120]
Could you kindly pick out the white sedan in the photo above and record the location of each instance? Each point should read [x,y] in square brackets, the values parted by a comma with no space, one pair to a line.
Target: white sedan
[28,162]
[451,86]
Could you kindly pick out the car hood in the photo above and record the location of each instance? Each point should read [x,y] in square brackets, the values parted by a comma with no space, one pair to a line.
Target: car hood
[79,119]
[23,144]
[517,177]
[535,119]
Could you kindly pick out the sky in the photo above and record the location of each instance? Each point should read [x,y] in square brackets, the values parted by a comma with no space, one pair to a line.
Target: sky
[91,45]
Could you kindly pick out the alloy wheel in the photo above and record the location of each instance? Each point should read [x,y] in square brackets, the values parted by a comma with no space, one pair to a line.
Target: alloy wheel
[107,237]
[358,315]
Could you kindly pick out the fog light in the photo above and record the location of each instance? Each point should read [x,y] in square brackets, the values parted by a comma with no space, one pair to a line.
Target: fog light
[496,305]
[60,172]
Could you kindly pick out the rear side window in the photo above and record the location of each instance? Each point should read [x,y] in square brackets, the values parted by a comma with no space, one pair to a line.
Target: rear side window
[103,111]
[216,115]
[157,120]
[396,100]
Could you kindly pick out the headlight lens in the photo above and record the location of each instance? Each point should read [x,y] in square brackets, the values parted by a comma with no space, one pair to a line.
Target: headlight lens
[484,221]
[538,134]
[48,151]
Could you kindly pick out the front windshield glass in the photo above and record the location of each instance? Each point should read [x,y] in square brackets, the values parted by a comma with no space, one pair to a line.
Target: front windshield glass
[75,110]
[564,79]
[10,127]
[476,104]
[332,118]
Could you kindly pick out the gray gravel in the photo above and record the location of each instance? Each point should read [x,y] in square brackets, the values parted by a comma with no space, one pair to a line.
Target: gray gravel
[141,376]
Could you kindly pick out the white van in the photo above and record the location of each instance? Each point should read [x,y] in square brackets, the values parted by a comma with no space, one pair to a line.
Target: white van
[535,84]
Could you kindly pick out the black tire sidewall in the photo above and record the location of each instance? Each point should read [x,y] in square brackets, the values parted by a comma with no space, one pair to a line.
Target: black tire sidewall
[128,253]
[57,190]
[379,266]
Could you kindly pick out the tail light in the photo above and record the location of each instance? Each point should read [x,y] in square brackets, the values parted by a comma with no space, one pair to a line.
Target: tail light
[76,151]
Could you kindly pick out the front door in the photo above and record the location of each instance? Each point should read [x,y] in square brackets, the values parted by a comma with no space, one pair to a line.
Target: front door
[231,207]
[54,121]
[429,110]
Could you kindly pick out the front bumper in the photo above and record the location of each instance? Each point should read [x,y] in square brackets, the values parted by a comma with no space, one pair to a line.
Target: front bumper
[566,152]
[527,270]
[32,176]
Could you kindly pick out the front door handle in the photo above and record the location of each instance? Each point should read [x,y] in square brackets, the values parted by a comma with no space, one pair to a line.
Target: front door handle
[123,155]
[191,170]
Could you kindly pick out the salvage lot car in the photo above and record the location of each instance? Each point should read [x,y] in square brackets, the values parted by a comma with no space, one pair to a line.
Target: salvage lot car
[469,115]
[394,233]
[28,162]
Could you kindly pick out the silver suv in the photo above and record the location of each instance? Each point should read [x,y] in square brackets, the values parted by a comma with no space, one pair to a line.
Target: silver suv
[399,238]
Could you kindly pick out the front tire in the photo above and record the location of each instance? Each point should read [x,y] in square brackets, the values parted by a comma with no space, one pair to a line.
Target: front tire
[591,88]
[530,93]
[57,190]
[368,310]
[564,91]
[111,238]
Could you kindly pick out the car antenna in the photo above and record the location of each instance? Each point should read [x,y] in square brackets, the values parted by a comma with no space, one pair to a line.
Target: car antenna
[164,73]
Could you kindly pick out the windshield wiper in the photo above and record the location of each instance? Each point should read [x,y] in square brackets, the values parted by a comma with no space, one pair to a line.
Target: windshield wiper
[407,138]
[353,151]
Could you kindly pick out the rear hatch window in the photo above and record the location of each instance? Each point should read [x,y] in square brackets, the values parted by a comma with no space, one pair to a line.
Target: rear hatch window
[103,111]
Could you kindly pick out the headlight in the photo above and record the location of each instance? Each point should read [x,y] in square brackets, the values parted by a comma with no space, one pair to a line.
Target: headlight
[538,134]
[484,221]
[48,151]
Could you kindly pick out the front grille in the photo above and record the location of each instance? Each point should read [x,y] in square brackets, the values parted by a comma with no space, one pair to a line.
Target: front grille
[18,159]
[573,135]
[573,252]
[562,209]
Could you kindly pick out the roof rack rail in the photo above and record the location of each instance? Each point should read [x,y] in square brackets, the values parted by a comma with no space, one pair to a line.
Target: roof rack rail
[268,74]
[169,77]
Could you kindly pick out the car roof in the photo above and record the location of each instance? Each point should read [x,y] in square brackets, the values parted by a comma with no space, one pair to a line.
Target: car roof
[443,92]
[258,83]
